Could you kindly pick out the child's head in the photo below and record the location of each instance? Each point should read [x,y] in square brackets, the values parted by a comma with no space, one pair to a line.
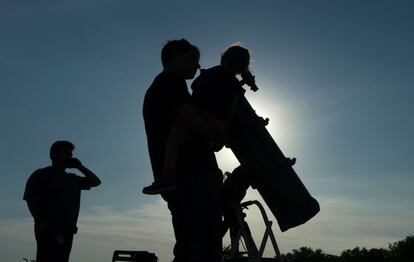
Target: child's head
[236,58]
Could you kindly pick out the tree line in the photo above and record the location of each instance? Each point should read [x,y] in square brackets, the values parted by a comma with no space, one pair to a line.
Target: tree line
[400,251]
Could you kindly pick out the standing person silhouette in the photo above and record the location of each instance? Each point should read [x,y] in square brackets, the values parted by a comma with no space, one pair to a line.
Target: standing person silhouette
[195,203]
[53,198]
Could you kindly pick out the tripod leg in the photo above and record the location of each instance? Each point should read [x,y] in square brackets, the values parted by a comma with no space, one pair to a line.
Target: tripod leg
[247,236]
[273,239]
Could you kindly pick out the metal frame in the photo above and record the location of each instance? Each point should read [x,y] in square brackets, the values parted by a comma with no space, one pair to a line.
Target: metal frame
[254,254]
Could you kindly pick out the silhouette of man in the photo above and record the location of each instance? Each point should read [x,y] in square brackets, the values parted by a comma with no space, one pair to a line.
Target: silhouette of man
[53,198]
[195,204]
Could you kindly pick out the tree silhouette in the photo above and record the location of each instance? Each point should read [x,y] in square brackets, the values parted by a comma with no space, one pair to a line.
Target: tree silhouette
[401,251]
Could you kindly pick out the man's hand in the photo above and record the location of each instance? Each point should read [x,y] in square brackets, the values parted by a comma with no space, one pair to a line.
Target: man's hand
[93,179]
[75,163]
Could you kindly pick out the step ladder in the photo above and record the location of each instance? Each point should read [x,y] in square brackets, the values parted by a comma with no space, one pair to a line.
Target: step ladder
[254,254]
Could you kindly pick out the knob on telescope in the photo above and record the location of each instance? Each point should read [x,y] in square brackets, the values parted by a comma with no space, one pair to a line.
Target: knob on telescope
[248,79]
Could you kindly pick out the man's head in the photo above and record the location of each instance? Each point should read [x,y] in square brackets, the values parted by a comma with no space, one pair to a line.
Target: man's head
[236,58]
[181,57]
[61,153]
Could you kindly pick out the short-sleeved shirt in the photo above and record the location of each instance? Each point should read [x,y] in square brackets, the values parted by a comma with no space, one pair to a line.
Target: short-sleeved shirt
[214,91]
[57,195]
[167,92]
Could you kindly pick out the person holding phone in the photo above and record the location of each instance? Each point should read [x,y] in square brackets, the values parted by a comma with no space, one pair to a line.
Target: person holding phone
[53,198]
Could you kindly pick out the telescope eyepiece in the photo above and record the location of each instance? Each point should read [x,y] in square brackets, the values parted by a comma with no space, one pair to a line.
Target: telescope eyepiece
[249,79]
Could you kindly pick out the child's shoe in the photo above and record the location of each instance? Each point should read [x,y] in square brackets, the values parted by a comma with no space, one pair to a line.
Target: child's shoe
[159,186]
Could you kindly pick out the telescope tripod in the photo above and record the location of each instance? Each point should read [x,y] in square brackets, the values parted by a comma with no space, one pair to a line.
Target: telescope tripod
[243,231]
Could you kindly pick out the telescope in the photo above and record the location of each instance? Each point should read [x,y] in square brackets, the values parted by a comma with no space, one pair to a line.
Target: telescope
[263,166]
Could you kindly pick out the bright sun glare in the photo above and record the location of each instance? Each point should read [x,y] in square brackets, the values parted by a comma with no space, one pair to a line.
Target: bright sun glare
[267,106]
[278,127]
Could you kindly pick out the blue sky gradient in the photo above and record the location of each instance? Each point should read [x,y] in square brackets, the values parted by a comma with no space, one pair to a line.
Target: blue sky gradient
[336,80]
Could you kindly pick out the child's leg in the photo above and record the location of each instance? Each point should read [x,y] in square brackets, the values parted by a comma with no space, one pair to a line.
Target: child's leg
[174,142]
[166,181]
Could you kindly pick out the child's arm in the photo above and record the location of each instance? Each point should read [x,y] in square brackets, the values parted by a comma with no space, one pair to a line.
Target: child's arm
[193,120]
[221,125]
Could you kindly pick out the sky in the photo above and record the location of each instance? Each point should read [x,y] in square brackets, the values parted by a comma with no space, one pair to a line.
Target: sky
[335,78]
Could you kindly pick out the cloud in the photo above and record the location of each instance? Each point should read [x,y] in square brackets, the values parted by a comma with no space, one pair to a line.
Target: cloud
[17,239]
[341,224]
[101,231]
[13,228]
[107,229]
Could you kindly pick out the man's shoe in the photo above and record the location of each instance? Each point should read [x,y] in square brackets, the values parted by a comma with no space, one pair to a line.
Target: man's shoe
[158,187]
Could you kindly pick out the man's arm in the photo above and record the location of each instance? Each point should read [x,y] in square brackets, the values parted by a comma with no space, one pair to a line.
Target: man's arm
[193,120]
[33,195]
[43,225]
[34,209]
[93,179]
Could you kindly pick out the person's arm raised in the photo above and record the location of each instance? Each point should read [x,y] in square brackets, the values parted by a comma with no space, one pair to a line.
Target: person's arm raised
[93,179]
